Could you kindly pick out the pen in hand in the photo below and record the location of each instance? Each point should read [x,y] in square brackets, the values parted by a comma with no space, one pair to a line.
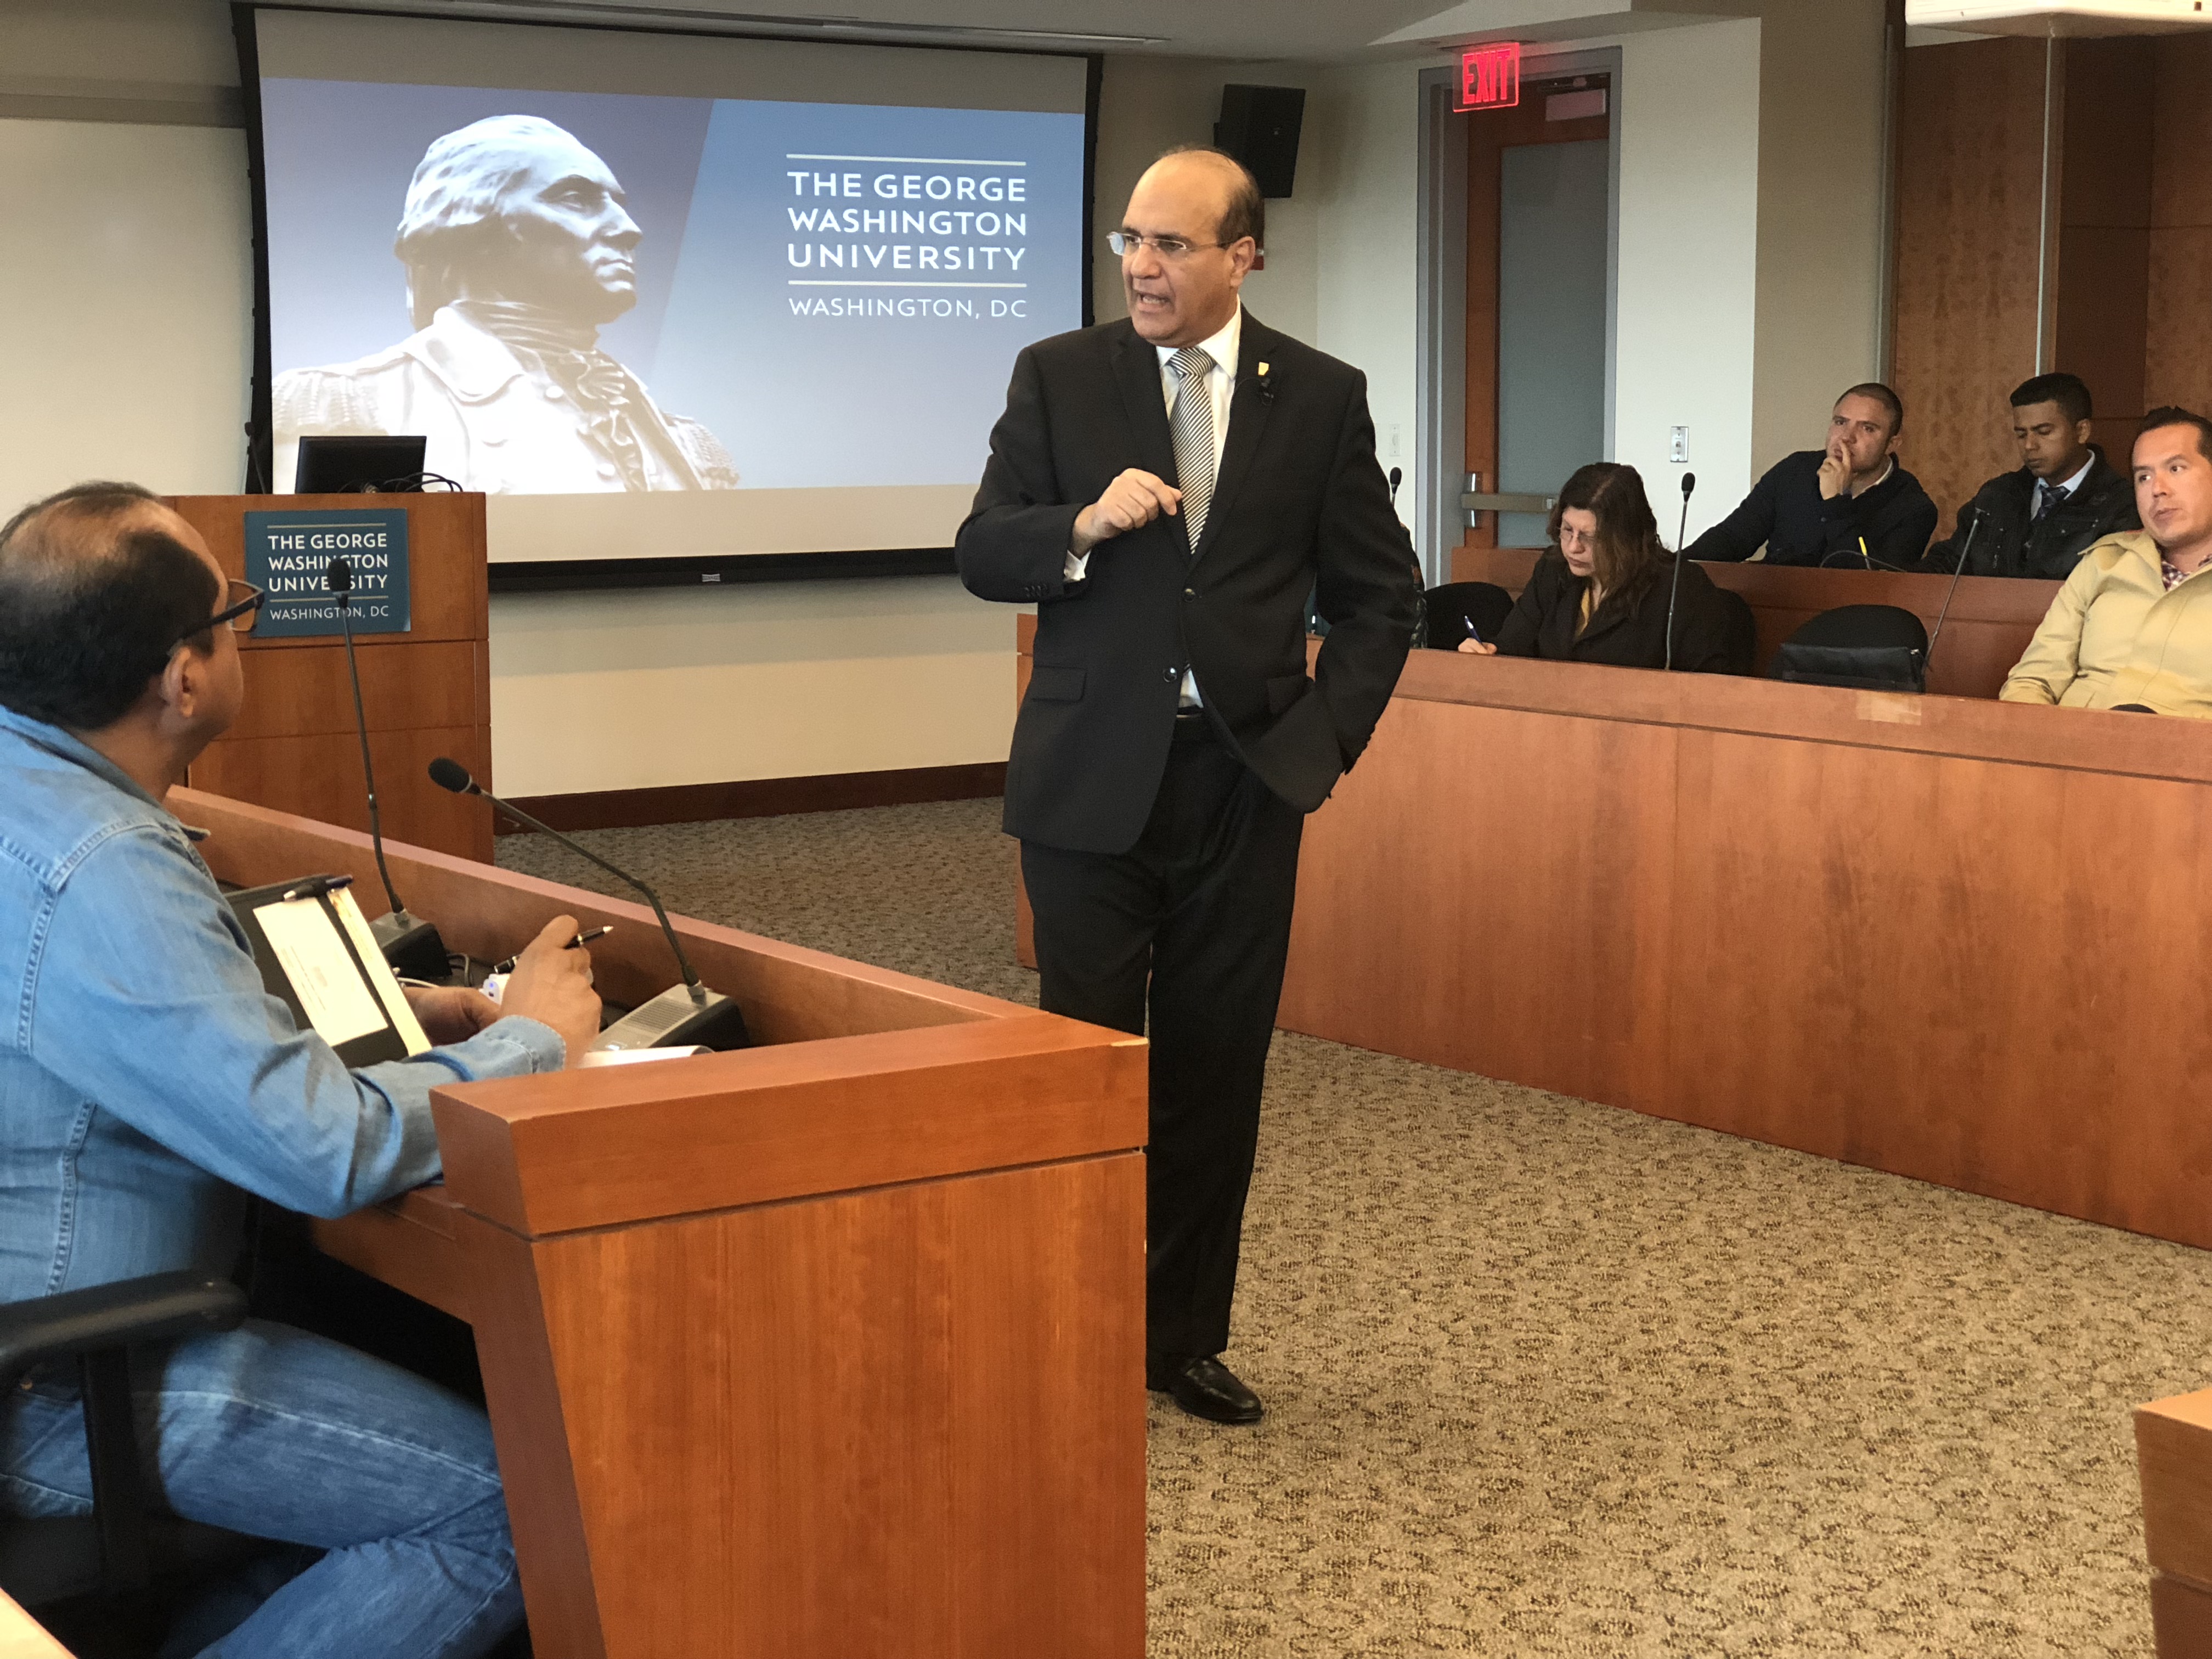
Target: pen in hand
[582,939]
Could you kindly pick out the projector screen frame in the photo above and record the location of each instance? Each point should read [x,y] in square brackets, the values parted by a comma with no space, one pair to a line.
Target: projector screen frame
[556,575]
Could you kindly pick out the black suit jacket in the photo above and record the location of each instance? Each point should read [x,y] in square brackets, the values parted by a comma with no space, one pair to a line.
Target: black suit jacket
[2013,542]
[1785,510]
[1542,623]
[1299,501]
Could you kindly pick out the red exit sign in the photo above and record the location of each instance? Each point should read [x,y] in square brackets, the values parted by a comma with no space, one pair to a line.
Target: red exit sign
[1489,76]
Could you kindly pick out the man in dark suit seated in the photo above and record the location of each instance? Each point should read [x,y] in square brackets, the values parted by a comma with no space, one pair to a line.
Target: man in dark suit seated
[1168,491]
[1847,504]
[2065,499]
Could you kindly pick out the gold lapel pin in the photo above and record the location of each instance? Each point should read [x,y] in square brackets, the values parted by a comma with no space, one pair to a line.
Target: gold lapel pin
[1263,371]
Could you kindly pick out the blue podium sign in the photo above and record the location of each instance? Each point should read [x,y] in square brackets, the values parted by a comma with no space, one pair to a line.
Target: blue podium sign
[290,555]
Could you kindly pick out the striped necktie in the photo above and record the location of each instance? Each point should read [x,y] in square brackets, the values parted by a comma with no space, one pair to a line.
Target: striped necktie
[1194,438]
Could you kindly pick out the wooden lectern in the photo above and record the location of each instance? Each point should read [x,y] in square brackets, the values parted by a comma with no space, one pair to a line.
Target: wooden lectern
[425,693]
[2173,1457]
[830,1349]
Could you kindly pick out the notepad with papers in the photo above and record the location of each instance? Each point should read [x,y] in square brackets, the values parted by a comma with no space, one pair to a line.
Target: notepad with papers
[316,955]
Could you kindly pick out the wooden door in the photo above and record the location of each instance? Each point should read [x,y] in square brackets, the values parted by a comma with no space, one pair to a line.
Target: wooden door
[1556,111]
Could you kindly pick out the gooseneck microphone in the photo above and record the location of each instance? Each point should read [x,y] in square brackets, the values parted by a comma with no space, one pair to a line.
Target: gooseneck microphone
[683,1014]
[410,945]
[1674,586]
[1965,550]
[1397,477]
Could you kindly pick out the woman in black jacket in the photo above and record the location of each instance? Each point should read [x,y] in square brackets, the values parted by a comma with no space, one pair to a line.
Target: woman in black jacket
[1599,594]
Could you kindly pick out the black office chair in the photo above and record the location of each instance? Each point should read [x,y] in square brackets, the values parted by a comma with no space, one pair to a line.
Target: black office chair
[1742,636]
[1872,648]
[125,1547]
[1448,608]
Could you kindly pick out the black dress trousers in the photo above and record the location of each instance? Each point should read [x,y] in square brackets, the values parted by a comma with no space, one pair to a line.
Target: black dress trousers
[1190,926]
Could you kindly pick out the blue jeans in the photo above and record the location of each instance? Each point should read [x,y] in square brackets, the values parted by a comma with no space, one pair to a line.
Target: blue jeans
[270,1432]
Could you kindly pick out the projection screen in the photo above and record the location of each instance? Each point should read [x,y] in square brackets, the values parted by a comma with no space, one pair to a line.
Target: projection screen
[678,302]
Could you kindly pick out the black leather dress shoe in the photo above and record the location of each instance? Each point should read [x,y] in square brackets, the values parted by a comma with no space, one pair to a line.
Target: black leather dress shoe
[1204,1388]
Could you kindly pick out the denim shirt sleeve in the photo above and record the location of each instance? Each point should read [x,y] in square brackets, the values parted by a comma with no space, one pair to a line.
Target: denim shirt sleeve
[144,995]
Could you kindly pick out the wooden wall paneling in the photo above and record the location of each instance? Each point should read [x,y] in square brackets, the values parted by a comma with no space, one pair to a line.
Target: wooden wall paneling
[816,1465]
[1969,216]
[2181,141]
[2177,365]
[2110,124]
[2104,316]
[308,693]
[2104,213]
[320,778]
[1565,862]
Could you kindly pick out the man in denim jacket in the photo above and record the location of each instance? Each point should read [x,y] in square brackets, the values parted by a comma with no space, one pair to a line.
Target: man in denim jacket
[148,1083]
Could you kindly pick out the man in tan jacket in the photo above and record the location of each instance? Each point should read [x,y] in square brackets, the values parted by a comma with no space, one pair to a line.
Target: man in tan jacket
[2132,627]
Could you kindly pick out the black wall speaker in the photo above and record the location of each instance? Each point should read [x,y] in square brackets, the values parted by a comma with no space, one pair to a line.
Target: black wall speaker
[1259,126]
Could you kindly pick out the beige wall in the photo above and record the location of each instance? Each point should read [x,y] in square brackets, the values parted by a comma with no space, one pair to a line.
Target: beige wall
[1823,85]
[129,289]
[660,686]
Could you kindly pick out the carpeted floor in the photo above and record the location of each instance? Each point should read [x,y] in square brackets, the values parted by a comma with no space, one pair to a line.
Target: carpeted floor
[1549,1378]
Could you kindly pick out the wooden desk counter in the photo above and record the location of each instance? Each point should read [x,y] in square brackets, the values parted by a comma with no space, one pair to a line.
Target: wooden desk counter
[1954,939]
[1991,621]
[832,1346]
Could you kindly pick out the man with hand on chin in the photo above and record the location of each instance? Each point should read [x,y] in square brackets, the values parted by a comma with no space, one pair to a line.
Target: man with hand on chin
[1168,490]
[149,1082]
[1847,503]
[2131,629]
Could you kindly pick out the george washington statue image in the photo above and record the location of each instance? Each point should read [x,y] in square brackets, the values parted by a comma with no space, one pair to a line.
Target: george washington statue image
[518,249]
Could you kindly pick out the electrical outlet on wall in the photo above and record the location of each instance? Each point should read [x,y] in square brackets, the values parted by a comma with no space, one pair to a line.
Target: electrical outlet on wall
[1678,444]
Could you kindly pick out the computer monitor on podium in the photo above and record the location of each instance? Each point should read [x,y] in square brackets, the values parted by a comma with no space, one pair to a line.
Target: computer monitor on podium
[335,466]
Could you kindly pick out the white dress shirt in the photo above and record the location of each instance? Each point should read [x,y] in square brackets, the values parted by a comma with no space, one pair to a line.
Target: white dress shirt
[1220,387]
[2059,493]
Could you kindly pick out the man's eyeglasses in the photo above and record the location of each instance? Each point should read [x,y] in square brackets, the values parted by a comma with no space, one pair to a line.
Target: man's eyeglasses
[242,603]
[1126,242]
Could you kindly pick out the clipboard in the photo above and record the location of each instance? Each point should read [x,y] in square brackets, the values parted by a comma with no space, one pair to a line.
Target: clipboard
[317,957]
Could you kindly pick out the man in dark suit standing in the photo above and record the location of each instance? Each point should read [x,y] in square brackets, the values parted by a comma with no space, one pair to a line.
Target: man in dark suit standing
[1169,490]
